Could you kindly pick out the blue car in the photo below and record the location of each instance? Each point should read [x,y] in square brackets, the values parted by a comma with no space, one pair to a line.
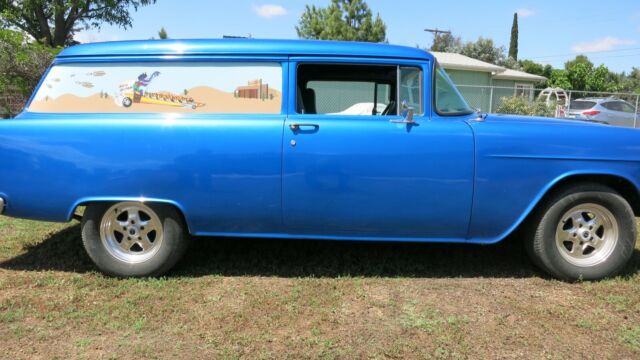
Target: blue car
[163,140]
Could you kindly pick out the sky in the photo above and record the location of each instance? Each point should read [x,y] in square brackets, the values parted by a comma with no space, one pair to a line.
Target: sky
[551,32]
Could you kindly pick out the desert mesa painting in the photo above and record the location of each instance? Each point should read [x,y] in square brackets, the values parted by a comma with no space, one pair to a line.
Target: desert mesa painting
[165,88]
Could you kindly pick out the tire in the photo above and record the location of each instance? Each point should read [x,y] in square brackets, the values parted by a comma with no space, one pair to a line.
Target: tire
[126,102]
[584,232]
[131,239]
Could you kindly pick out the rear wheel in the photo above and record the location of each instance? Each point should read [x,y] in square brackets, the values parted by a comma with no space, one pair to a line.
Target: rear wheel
[586,232]
[134,239]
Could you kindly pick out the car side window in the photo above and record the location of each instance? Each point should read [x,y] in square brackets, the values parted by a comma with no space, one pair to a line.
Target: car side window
[359,90]
[411,88]
[161,87]
[627,108]
[346,89]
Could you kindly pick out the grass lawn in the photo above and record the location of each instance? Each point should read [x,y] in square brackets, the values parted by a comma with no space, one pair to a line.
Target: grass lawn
[248,298]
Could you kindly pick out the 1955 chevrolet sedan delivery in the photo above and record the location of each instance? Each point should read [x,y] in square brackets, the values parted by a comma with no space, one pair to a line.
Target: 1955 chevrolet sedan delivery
[161,140]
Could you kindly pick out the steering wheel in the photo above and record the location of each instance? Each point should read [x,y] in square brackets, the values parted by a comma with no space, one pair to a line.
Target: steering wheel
[390,107]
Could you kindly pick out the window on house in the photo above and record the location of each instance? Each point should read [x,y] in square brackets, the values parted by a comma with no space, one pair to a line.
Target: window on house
[525,90]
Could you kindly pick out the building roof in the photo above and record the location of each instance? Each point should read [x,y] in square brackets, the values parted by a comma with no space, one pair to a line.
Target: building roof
[460,62]
[509,74]
[455,61]
[243,47]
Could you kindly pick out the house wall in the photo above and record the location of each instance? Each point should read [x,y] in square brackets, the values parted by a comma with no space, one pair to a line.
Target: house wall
[475,86]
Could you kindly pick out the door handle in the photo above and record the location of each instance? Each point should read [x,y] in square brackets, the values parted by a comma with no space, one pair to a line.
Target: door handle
[298,127]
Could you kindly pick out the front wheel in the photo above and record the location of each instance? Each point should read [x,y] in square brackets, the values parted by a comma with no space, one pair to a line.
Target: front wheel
[586,232]
[134,239]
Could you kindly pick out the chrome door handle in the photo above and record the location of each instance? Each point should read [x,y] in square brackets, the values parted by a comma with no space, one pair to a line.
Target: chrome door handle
[297,127]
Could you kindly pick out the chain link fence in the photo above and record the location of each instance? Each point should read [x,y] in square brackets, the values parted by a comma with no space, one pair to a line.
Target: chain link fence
[496,99]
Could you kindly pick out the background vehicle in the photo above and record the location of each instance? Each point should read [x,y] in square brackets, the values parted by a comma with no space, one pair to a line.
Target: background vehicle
[610,110]
[273,154]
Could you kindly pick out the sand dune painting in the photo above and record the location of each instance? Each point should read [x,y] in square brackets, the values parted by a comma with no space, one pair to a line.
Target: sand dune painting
[159,87]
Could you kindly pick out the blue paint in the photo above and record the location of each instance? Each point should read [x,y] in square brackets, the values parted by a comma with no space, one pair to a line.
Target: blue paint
[443,179]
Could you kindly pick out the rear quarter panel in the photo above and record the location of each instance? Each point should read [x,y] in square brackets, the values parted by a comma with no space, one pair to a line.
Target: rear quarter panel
[219,170]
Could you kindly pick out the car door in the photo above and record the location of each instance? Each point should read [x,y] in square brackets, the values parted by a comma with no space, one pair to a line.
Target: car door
[352,170]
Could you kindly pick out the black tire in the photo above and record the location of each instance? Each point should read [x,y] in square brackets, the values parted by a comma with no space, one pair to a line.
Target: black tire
[174,243]
[541,238]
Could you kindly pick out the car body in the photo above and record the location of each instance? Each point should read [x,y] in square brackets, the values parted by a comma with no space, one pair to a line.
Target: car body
[609,110]
[424,169]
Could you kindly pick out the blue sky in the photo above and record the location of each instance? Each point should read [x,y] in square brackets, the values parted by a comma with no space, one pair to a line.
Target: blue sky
[550,31]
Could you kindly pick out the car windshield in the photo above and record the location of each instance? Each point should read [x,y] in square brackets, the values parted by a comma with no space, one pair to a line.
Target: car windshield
[582,104]
[448,100]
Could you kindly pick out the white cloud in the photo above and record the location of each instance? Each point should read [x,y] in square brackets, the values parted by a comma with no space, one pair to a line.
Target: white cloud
[269,10]
[602,44]
[91,37]
[525,12]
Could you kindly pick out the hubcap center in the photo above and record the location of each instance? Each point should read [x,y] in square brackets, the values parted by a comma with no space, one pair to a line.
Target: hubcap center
[586,235]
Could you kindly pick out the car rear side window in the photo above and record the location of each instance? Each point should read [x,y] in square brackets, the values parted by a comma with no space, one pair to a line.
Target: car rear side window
[158,87]
[582,105]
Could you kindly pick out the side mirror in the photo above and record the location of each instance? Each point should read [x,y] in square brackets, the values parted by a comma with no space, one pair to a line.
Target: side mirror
[406,112]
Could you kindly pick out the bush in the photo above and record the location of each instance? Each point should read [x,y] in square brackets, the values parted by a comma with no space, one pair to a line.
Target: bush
[22,63]
[519,105]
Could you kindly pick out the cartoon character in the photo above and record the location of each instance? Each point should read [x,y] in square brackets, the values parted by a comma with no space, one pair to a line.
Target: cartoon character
[141,84]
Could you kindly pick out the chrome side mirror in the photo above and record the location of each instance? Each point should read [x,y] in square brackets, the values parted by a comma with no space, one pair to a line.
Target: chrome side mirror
[406,113]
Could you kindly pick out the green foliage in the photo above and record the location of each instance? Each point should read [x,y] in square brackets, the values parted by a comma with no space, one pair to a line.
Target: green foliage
[349,20]
[513,44]
[22,64]
[162,34]
[446,42]
[560,79]
[485,50]
[54,22]
[533,67]
[631,82]
[520,105]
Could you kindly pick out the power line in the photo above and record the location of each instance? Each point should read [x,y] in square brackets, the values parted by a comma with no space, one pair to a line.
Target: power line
[584,52]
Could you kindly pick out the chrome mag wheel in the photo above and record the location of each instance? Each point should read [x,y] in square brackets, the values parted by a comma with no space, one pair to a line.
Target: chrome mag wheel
[131,232]
[587,235]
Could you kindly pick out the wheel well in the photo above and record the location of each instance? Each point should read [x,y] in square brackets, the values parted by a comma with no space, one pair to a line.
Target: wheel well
[624,187]
[78,216]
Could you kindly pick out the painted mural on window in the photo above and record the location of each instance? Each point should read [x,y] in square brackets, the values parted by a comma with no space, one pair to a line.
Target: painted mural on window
[161,87]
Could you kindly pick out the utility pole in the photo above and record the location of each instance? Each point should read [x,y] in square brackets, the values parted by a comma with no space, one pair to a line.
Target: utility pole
[436,36]
[437,31]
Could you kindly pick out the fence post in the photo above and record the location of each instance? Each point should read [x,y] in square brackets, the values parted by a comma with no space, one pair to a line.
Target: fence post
[635,117]
[491,100]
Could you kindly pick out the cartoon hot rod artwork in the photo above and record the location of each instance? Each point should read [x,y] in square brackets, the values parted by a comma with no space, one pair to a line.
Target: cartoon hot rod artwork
[132,92]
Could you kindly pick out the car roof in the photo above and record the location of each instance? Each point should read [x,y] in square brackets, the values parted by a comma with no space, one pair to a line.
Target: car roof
[243,47]
[599,100]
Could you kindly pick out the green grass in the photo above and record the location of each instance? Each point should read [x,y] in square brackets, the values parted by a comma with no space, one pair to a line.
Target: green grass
[252,298]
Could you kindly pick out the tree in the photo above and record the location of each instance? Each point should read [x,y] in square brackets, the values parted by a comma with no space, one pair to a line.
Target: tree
[513,44]
[446,42]
[559,79]
[162,34]
[350,20]
[484,49]
[631,82]
[53,23]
